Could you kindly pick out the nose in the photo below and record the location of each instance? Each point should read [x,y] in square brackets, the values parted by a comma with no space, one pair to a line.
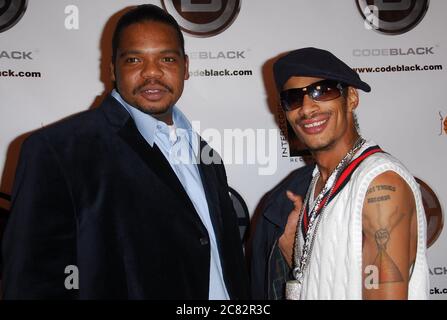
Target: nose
[151,69]
[308,108]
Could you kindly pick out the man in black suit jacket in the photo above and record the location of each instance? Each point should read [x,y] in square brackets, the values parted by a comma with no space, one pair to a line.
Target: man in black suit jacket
[99,209]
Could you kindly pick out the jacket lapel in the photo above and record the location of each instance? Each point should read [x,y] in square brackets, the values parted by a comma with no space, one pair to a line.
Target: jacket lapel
[152,156]
[154,159]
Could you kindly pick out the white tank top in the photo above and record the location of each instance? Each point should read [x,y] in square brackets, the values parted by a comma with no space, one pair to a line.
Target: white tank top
[334,270]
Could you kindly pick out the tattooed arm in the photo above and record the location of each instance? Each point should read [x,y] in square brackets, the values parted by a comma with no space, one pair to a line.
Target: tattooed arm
[389,237]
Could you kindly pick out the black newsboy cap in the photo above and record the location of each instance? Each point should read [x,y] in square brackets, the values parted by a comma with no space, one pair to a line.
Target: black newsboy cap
[318,63]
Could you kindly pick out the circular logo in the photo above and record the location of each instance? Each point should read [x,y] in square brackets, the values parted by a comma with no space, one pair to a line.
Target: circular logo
[241,211]
[11,11]
[205,19]
[433,212]
[392,17]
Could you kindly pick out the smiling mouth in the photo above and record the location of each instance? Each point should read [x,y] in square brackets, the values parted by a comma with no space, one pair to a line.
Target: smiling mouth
[153,94]
[153,87]
[315,124]
[152,91]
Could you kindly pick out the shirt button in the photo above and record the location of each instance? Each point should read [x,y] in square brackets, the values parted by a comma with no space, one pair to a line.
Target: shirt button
[158,127]
[203,241]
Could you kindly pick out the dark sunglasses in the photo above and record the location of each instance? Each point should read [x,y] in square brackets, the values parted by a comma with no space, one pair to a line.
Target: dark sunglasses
[323,90]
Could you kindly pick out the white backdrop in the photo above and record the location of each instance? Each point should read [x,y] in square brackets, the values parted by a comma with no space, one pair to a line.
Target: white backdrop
[66,42]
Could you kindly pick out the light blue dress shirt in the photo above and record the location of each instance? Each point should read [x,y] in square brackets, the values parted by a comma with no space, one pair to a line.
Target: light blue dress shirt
[180,145]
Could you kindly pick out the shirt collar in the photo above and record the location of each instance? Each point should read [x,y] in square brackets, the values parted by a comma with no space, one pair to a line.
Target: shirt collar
[147,125]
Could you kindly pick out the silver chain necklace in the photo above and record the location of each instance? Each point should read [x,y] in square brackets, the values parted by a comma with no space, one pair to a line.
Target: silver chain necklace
[293,287]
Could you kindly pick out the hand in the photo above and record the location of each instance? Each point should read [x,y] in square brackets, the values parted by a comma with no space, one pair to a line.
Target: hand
[287,239]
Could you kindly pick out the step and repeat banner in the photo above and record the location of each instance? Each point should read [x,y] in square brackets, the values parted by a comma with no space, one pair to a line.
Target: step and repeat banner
[55,56]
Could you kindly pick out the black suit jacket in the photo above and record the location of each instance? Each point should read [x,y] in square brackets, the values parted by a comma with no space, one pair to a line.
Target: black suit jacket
[91,192]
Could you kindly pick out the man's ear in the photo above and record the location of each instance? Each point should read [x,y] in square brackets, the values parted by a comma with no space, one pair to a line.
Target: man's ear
[186,76]
[352,99]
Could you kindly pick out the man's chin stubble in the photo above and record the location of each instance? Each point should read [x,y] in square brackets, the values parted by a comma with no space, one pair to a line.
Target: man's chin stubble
[154,113]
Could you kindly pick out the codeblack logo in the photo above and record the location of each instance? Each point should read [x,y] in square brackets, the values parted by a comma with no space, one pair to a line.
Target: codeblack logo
[392,17]
[433,212]
[11,11]
[203,18]
[241,211]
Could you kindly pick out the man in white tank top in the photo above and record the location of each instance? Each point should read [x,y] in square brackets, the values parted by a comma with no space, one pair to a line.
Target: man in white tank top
[360,232]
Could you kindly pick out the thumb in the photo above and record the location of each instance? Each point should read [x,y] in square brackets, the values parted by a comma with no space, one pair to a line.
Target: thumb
[296,199]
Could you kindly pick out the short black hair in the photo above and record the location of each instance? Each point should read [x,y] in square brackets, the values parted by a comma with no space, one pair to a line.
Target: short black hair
[143,13]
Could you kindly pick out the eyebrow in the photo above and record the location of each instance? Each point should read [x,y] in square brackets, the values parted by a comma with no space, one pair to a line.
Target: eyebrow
[173,51]
[130,52]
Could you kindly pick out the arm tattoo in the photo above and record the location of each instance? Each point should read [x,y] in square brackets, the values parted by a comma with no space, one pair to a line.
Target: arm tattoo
[381,187]
[379,199]
[386,187]
[388,270]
